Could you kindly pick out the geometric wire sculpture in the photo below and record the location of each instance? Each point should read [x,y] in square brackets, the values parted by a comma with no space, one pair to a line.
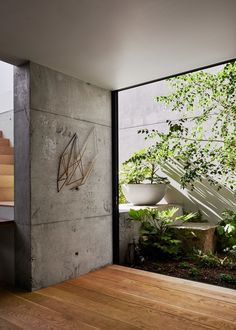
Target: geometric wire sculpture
[75,164]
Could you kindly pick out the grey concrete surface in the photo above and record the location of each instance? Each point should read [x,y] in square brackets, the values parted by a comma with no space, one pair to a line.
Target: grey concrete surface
[6,212]
[94,198]
[22,187]
[70,231]
[67,96]
[69,248]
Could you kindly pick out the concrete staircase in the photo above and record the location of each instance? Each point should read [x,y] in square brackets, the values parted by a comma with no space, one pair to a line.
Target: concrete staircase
[6,179]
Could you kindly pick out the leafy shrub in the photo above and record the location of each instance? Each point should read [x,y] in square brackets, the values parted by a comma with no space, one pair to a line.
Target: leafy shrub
[122,199]
[193,272]
[209,259]
[184,265]
[142,167]
[226,232]
[201,154]
[227,278]
[156,238]
[197,218]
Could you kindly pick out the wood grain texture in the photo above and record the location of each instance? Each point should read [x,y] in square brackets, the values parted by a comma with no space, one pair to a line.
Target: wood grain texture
[4,142]
[6,159]
[117,297]
[6,169]
[6,150]
[6,181]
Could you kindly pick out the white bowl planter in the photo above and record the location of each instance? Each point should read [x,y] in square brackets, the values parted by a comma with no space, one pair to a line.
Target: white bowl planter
[144,193]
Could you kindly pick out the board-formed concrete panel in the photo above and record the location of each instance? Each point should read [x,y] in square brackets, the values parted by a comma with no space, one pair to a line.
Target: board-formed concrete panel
[63,95]
[68,233]
[22,188]
[51,133]
[69,249]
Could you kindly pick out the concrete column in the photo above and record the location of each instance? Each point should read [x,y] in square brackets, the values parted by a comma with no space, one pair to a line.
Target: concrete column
[59,235]
[22,176]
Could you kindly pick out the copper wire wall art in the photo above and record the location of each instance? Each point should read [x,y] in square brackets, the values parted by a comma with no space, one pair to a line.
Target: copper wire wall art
[76,162]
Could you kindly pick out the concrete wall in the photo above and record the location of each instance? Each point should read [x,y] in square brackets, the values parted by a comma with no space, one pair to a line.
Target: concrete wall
[137,110]
[68,233]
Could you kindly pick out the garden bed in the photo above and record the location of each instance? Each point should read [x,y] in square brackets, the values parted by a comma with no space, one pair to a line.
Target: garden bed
[221,275]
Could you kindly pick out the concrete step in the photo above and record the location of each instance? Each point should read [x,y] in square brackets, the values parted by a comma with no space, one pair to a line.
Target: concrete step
[6,150]
[6,194]
[6,159]
[4,142]
[125,208]
[6,181]
[6,169]
[6,211]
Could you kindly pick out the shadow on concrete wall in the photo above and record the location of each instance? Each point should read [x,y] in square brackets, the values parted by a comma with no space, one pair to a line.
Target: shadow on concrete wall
[204,197]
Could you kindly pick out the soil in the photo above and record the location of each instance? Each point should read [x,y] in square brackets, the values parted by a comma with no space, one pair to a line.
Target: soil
[192,271]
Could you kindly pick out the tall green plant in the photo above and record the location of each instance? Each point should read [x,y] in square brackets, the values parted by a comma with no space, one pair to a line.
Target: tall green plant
[208,149]
[142,167]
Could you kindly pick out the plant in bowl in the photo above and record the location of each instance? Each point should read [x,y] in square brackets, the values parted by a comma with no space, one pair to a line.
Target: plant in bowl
[141,184]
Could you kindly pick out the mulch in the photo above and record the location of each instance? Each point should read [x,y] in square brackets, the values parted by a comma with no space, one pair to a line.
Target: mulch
[210,275]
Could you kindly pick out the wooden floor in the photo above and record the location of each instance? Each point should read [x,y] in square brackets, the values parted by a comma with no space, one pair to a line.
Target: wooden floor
[116,297]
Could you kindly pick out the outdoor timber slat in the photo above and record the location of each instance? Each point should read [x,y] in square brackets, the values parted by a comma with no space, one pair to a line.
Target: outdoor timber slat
[117,297]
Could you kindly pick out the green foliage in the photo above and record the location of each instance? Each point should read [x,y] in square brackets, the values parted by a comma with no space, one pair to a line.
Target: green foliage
[142,167]
[156,238]
[122,199]
[184,265]
[193,272]
[203,151]
[209,259]
[197,217]
[226,231]
[227,278]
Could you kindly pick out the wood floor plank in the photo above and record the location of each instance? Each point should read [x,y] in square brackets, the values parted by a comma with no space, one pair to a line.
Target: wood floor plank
[5,325]
[188,301]
[168,282]
[159,306]
[183,283]
[72,311]
[178,314]
[138,315]
[117,311]
[28,315]
[119,298]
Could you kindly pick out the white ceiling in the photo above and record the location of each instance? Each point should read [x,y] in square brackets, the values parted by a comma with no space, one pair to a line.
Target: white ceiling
[118,43]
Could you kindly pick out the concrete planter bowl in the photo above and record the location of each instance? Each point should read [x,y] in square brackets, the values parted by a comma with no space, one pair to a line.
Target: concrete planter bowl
[144,193]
